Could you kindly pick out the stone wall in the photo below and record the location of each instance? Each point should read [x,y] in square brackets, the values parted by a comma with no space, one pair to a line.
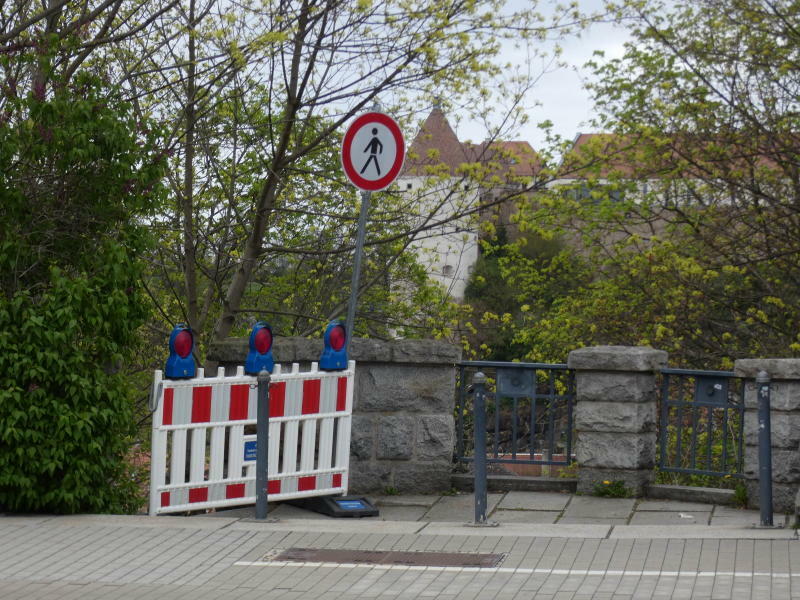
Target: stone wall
[615,414]
[785,428]
[403,429]
[615,420]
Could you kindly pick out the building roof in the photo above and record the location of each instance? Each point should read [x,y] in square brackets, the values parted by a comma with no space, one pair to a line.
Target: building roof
[600,154]
[676,156]
[436,146]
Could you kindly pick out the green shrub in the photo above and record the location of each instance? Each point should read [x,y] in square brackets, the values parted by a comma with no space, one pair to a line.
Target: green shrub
[65,419]
[77,174]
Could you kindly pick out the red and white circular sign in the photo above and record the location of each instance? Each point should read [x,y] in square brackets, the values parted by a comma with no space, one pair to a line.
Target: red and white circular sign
[373,151]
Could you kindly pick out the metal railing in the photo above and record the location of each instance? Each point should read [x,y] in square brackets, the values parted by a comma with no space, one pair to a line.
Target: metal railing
[529,414]
[701,425]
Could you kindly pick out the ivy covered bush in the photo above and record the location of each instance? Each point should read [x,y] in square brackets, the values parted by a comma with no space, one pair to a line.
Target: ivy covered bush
[78,174]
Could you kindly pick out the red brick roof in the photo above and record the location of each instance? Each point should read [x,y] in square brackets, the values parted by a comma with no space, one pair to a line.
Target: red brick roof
[516,158]
[603,154]
[437,146]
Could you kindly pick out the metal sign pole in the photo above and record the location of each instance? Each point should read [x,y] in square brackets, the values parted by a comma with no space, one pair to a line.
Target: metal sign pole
[479,383]
[262,447]
[764,449]
[351,305]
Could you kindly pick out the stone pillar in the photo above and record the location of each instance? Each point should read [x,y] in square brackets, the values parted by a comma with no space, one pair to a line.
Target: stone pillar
[785,421]
[403,432]
[615,414]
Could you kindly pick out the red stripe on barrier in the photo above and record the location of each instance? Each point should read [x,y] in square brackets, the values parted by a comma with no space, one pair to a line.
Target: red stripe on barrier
[311,396]
[341,394]
[164,499]
[201,404]
[274,486]
[240,394]
[198,494]
[234,490]
[277,399]
[166,418]
[337,480]
[307,483]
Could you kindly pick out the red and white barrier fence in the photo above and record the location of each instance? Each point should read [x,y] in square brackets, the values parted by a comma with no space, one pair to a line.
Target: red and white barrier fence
[203,450]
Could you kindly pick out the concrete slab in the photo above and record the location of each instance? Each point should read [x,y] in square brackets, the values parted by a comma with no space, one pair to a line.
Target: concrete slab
[519,530]
[399,513]
[746,519]
[672,506]
[731,511]
[689,532]
[535,501]
[607,508]
[524,516]
[670,517]
[591,521]
[459,508]
[328,525]
[142,521]
[690,494]
[404,500]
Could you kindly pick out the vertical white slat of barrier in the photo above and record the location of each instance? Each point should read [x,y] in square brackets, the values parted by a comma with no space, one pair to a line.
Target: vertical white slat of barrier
[236,434]
[197,466]
[343,435]
[309,440]
[252,402]
[252,413]
[158,447]
[197,458]
[293,405]
[181,415]
[220,409]
[177,464]
[235,451]
[273,452]
[327,405]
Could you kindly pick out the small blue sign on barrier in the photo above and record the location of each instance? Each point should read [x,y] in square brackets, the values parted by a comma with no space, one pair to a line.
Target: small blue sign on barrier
[351,504]
[250,449]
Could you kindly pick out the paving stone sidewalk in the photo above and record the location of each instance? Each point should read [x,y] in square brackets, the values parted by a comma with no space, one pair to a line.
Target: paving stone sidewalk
[228,555]
[542,508]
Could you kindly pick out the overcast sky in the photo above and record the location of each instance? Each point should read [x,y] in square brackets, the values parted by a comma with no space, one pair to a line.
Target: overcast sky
[564,101]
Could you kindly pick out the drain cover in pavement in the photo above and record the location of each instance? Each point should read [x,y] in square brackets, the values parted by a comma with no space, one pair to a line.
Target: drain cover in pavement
[388,557]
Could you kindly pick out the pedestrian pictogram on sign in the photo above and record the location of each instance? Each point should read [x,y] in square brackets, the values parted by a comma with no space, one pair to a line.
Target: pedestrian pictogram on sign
[373,151]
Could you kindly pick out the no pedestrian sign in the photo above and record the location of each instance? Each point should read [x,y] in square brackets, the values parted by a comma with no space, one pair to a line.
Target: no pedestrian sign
[373,151]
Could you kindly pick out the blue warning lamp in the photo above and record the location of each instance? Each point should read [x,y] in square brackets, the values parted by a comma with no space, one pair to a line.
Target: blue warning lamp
[260,355]
[180,364]
[334,354]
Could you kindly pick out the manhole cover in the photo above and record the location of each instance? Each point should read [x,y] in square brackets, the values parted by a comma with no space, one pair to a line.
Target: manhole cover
[389,557]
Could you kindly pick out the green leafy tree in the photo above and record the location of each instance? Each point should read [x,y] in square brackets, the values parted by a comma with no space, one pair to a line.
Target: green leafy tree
[514,284]
[79,174]
[256,99]
[687,209]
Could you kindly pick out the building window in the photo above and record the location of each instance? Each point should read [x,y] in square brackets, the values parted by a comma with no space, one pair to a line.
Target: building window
[408,186]
[447,271]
